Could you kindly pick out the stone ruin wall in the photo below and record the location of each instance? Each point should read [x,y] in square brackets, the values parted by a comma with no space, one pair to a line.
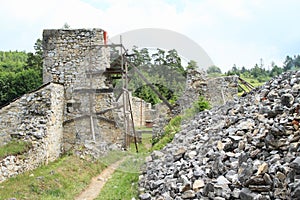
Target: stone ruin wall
[216,90]
[143,115]
[141,110]
[76,59]
[36,118]
[55,117]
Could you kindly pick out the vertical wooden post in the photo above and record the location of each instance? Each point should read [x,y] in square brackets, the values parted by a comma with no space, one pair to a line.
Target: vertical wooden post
[91,99]
[141,112]
[124,97]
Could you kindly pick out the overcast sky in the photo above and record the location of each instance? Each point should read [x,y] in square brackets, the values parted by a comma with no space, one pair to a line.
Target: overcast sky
[231,32]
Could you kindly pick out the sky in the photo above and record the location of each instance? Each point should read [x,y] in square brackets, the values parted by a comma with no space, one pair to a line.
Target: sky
[240,32]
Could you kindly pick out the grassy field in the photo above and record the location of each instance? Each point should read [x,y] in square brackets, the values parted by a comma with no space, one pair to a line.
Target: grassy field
[62,179]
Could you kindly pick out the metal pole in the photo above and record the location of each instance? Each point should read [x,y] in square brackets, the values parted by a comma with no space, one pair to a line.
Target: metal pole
[148,83]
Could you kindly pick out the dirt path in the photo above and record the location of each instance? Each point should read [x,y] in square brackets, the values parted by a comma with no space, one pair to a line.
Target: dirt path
[97,183]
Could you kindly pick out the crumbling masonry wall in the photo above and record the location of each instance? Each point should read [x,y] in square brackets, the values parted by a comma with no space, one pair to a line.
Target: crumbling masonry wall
[75,100]
[36,118]
[78,59]
[217,91]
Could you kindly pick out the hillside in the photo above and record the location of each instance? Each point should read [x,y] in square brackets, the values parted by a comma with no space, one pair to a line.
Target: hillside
[246,149]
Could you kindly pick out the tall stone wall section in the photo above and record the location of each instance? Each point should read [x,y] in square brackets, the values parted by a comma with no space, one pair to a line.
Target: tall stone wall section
[36,118]
[78,59]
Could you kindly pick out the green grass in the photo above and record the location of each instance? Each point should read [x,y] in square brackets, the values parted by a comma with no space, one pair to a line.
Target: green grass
[170,130]
[254,82]
[124,182]
[62,179]
[122,185]
[14,147]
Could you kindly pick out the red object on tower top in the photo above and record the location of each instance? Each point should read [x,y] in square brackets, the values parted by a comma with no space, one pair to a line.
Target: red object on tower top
[105,37]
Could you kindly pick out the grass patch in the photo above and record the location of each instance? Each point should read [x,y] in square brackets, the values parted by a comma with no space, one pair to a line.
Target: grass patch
[122,185]
[198,106]
[253,81]
[170,130]
[62,179]
[124,182]
[14,147]
[174,125]
[214,75]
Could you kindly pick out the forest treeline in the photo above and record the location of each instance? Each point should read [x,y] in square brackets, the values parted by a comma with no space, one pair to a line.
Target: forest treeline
[21,72]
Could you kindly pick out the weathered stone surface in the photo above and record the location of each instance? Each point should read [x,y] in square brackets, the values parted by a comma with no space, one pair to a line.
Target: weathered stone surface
[189,194]
[58,116]
[145,196]
[37,118]
[198,184]
[263,168]
[246,194]
[75,59]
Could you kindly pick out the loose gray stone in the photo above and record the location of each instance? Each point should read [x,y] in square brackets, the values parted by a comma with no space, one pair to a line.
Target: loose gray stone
[188,194]
[246,194]
[246,149]
[145,196]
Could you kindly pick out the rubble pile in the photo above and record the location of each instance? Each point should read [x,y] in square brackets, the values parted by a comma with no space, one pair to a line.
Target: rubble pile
[245,149]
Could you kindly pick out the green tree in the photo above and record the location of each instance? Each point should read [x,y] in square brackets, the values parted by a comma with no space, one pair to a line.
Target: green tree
[214,70]
[159,57]
[192,65]
[20,73]
[288,63]
[163,69]
[275,71]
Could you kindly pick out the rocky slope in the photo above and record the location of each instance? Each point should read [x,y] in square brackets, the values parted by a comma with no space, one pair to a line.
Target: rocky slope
[246,149]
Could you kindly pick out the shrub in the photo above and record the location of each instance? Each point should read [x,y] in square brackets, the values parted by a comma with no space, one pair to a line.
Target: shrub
[201,104]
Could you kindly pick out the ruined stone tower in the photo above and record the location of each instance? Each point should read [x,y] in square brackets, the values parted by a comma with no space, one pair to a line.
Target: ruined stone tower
[79,59]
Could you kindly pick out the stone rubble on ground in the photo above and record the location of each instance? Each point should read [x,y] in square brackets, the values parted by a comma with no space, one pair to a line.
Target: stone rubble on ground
[245,149]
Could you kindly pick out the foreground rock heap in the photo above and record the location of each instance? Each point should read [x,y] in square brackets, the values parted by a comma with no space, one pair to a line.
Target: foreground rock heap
[246,149]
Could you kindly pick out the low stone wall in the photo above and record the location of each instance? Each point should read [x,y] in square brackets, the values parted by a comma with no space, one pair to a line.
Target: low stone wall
[221,90]
[216,90]
[161,119]
[37,118]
